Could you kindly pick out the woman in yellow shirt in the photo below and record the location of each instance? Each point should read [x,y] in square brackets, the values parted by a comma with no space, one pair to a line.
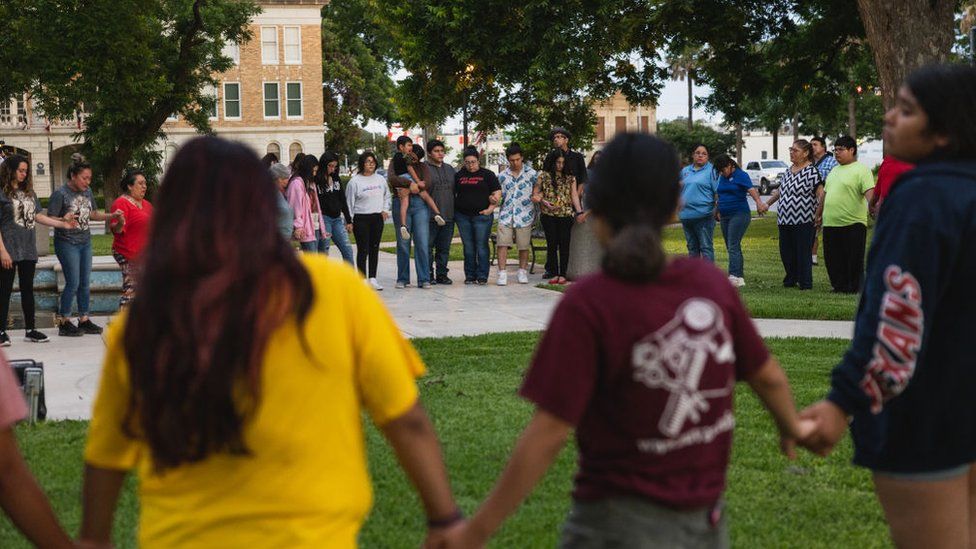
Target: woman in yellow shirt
[241,415]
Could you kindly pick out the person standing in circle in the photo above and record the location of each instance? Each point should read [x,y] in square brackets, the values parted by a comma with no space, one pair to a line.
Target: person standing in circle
[74,246]
[20,211]
[699,193]
[368,200]
[130,238]
[476,194]
[310,229]
[335,210]
[734,214]
[555,192]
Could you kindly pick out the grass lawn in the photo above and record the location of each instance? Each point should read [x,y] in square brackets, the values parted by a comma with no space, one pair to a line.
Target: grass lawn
[470,393]
[101,244]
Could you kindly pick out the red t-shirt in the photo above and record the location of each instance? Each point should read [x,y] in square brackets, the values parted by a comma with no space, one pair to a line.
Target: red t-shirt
[132,239]
[645,372]
[889,171]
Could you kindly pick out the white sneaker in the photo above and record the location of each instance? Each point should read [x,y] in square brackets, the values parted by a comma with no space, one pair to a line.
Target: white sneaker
[740,282]
[375,284]
[523,276]
[502,278]
[814,259]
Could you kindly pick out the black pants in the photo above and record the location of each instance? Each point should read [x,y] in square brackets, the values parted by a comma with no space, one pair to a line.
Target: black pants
[843,253]
[558,230]
[25,272]
[368,230]
[795,242]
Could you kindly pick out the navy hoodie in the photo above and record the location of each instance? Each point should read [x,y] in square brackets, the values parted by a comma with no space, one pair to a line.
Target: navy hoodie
[908,379]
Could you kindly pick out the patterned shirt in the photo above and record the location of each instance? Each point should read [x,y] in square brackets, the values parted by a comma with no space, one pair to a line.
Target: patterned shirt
[559,194]
[826,163]
[517,209]
[798,196]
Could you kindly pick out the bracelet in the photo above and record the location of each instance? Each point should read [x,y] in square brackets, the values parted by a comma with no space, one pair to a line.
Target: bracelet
[454,518]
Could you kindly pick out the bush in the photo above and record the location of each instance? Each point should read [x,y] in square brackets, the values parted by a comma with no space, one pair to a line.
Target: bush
[677,133]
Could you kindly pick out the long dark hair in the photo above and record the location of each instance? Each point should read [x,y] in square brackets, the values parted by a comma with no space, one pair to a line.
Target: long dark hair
[947,94]
[8,174]
[324,180]
[723,161]
[549,164]
[635,191]
[305,168]
[207,306]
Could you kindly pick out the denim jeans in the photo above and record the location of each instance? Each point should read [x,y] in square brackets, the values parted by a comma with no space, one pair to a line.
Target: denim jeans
[418,223]
[698,235]
[733,228]
[314,245]
[337,228]
[474,231]
[76,262]
[440,247]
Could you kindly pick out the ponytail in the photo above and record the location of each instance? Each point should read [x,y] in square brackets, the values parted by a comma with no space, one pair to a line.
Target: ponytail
[635,253]
[78,165]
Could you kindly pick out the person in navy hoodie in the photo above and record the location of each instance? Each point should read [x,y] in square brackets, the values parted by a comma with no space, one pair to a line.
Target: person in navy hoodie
[908,380]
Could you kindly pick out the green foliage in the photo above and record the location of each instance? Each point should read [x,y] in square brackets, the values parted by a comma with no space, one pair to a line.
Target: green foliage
[677,133]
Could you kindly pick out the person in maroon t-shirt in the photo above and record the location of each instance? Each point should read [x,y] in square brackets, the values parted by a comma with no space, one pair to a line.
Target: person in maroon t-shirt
[129,236]
[641,359]
[890,170]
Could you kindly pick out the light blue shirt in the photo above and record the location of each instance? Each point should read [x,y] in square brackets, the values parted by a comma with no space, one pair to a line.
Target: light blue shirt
[698,189]
[517,209]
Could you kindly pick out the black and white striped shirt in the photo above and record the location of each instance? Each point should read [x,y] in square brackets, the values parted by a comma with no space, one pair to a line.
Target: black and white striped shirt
[798,196]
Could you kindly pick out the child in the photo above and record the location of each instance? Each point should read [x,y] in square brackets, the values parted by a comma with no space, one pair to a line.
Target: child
[641,360]
[406,164]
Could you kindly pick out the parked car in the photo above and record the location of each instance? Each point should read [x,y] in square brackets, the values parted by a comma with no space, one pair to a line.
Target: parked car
[766,174]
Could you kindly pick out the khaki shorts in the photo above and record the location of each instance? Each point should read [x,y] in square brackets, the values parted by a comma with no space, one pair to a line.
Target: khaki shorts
[522,237]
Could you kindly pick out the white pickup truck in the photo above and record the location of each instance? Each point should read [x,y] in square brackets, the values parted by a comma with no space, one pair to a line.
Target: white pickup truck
[766,174]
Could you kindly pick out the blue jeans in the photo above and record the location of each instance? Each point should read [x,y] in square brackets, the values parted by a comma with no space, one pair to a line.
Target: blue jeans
[440,245]
[418,223]
[76,262]
[733,228]
[337,227]
[698,235]
[315,245]
[474,231]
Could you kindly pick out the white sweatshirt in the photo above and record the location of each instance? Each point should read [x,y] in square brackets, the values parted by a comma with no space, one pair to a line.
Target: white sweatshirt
[368,194]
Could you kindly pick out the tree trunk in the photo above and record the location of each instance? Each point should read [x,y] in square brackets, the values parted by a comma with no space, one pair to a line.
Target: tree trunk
[691,102]
[905,35]
[796,127]
[776,141]
[738,142]
[852,117]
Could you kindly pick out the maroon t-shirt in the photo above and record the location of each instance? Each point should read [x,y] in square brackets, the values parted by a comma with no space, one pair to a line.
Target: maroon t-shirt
[646,374]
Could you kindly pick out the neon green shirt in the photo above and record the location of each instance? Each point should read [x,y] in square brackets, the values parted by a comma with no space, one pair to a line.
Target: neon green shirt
[844,202]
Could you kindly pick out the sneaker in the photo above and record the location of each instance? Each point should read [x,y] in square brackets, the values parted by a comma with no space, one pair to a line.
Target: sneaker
[439,220]
[404,233]
[400,285]
[36,337]
[547,275]
[469,281]
[4,339]
[482,281]
[502,279]
[67,329]
[375,284]
[523,276]
[425,286]
[89,327]
[444,280]
[736,281]
[814,259]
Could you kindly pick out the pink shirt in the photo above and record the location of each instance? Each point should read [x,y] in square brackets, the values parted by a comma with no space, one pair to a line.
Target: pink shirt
[12,405]
[301,203]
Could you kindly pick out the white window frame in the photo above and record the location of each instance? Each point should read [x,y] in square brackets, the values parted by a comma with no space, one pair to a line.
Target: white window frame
[265,58]
[240,101]
[301,101]
[298,45]
[264,100]
[232,50]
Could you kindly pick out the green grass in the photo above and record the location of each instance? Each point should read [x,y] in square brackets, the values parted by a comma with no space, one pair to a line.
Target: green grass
[101,244]
[470,394]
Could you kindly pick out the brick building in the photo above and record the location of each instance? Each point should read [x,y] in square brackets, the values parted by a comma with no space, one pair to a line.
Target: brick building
[617,115]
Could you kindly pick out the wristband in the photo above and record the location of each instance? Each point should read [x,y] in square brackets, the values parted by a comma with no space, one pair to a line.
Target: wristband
[452,519]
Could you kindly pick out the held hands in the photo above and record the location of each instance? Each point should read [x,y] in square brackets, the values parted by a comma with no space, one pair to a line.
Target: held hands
[762,208]
[458,536]
[830,425]
[487,211]
[386,215]
[299,234]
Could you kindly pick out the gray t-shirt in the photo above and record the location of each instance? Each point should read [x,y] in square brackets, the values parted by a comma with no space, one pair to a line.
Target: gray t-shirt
[17,215]
[441,188]
[65,201]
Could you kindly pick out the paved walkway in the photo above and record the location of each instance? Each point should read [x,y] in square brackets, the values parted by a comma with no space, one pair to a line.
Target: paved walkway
[72,364]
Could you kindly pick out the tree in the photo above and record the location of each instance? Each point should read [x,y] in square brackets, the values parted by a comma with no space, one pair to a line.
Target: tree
[128,64]
[677,133]
[683,65]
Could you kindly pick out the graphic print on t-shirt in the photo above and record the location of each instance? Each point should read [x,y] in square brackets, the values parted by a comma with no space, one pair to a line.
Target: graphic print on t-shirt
[25,210]
[674,358]
[81,207]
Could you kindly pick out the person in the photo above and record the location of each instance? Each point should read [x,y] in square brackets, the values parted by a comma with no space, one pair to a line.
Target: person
[476,193]
[20,211]
[280,174]
[848,190]
[699,184]
[734,213]
[556,193]
[516,214]
[406,182]
[891,169]
[212,391]
[585,252]
[406,164]
[824,161]
[335,210]
[20,496]
[560,138]
[641,360]
[74,201]
[129,239]
[441,189]
[801,194]
[309,227]
[368,200]
[904,387]
[269,160]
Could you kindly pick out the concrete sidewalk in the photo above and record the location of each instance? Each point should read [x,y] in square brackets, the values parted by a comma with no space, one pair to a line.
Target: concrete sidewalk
[72,365]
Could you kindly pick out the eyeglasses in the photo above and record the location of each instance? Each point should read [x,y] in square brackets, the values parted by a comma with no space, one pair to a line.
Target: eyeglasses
[838,149]
[794,150]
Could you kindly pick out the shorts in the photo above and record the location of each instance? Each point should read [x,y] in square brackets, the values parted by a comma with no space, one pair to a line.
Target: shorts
[928,476]
[638,522]
[522,237]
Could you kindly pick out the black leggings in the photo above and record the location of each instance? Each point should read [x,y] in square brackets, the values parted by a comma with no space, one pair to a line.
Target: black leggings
[25,271]
[368,230]
[558,231]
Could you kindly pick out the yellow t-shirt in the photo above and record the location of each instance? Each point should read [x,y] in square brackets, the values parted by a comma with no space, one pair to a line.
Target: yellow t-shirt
[306,484]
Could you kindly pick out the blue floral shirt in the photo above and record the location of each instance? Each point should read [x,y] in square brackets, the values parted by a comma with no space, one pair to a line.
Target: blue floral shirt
[517,209]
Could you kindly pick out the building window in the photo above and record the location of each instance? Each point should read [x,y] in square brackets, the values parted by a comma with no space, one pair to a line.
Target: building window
[293,99]
[621,124]
[5,110]
[275,149]
[210,92]
[232,100]
[232,50]
[21,112]
[644,125]
[171,150]
[269,45]
[293,45]
[293,151]
[272,102]
[601,129]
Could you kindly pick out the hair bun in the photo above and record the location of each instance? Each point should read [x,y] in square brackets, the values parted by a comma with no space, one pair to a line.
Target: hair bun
[77,158]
